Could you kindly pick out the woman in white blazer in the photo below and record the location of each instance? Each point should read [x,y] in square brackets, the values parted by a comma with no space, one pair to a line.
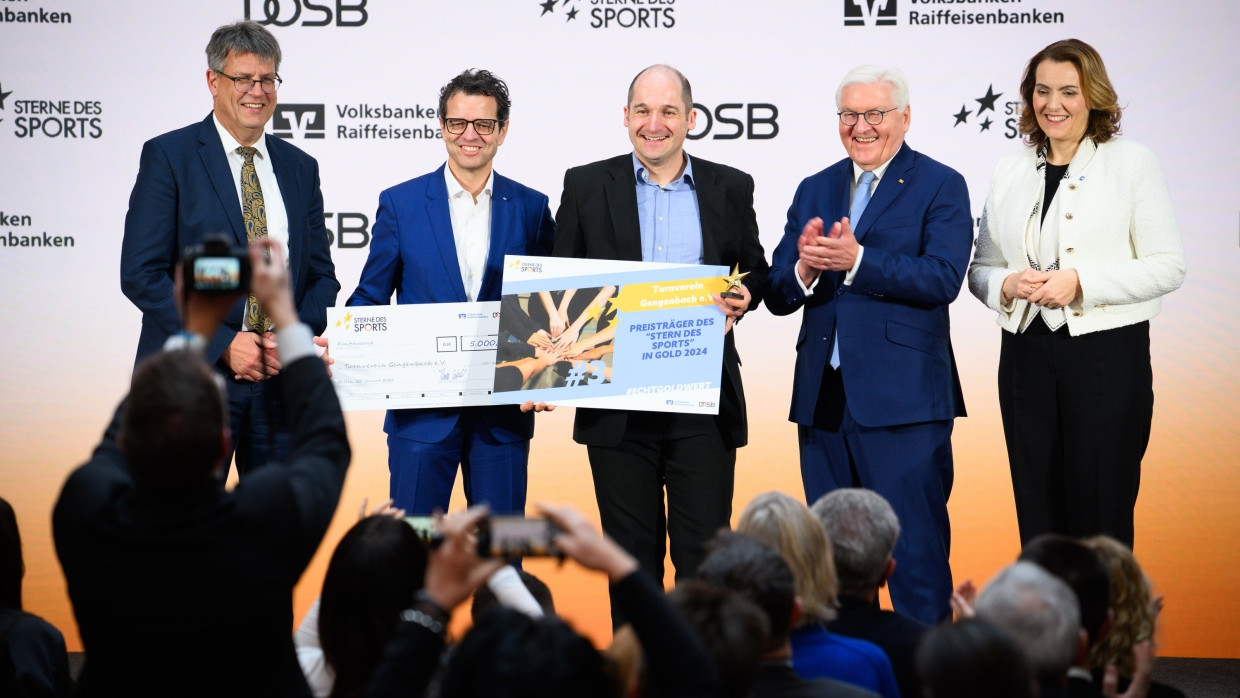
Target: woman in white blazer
[1077,245]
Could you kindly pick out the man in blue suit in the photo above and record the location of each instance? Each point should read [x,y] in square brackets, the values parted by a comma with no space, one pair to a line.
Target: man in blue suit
[875,392]
[441,238]
[190,186]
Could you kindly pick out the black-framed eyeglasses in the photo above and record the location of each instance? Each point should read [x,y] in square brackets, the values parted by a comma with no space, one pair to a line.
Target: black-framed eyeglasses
[269,85]
[484,127]
[873,117]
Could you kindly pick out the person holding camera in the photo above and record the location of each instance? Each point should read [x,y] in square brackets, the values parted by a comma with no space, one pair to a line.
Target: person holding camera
[223,176]
[179,586]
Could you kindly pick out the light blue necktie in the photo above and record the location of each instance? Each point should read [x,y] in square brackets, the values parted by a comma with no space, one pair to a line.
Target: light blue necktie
[861,198]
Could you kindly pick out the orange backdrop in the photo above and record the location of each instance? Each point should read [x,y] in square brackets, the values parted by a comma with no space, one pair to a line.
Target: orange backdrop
[1185,515]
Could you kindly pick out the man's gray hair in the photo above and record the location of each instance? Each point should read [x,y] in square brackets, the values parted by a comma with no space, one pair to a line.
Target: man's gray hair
[863,529]
[1039,611]
[873,74]
[245,36]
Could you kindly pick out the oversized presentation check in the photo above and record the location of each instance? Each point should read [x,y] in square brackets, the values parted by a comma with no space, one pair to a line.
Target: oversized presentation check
[629,335]
[425,355]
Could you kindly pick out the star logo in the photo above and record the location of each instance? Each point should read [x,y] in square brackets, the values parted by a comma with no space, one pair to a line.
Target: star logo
[1004,122]
[988,101]
[548,7]
[3,94]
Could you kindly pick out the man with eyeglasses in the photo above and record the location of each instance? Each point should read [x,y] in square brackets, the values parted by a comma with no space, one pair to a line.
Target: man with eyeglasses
[875,248]
[656,204]
[223,176]
[441,238]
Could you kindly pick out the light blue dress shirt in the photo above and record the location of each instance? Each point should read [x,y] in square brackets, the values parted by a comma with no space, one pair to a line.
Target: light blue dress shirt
[671,224]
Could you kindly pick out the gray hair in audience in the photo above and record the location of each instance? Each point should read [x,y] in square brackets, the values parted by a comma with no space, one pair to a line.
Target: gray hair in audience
[1039,611]
[863,529]
[872,75]
[242,37]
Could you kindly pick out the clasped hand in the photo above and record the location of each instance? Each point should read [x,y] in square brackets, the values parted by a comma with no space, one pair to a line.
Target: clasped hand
[820,250]
[1047,289]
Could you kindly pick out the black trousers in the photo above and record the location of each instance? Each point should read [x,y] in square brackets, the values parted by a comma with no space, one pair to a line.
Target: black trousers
[682,453]
[1076,418]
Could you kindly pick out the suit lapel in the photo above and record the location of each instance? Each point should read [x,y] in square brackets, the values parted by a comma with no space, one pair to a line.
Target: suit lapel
[503,218]
[1084,153]
[838,190]
[290,192]
[899,174]
[441,231]
[211,151]
[841,182]
[621,192]
[711,207]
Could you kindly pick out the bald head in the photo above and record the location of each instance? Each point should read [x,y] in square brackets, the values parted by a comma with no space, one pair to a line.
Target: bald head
[686,92]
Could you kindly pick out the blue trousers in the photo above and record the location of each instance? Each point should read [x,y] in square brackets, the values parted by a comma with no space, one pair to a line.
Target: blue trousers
[494,473]
[259,436]
[911,467]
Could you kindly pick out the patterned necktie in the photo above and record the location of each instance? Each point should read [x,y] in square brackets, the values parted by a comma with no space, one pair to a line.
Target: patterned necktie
[254,213]
[861,198]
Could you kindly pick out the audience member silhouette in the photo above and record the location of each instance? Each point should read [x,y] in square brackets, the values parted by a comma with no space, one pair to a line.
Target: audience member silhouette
[863,529]
[33,661]
[973,659]
[1134,614]
[1040,613]
[741,563]
[786,525]
[735,630]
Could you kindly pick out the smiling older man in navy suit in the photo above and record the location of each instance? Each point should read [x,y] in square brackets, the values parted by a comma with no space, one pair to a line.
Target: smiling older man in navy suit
[876,392]
[190,185]
[441,238]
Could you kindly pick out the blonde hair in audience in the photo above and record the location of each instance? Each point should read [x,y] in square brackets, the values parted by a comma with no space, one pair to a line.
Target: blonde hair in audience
[1130,600]
[787,525]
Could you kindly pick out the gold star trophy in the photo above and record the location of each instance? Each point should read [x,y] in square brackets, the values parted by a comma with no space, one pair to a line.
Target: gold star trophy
[734,283]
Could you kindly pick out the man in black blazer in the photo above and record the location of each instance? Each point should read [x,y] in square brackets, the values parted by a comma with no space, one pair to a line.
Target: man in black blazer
[180,587]
[657,204]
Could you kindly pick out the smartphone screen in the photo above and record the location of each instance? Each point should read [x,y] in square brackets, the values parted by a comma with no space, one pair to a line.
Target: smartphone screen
[517,536]
[424,526]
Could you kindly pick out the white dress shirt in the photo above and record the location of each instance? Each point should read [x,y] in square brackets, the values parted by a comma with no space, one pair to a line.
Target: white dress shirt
[273,202]
[471,227]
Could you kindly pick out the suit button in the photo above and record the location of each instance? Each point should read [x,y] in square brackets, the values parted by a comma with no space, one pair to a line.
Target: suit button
[1072,186]
[1068,216]
[1070,250]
